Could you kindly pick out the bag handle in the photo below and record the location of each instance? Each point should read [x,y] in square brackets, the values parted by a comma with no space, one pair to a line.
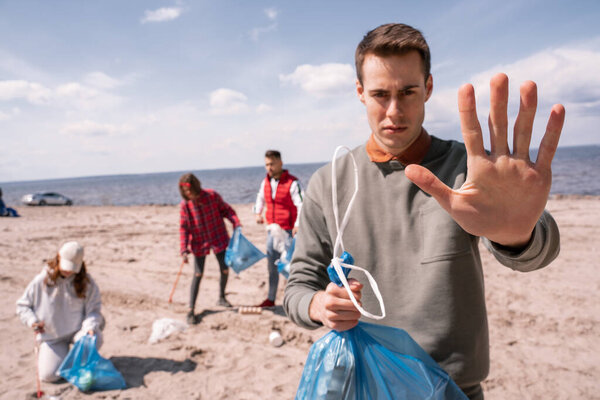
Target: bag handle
[338,247]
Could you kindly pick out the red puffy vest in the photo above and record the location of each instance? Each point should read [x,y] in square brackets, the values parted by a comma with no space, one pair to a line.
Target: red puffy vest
[281,210]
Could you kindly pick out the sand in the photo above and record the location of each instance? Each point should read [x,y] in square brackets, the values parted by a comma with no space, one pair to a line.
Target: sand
[544,326]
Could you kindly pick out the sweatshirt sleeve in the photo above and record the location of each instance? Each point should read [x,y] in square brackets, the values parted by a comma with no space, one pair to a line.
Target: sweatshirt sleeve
[297,198]
[312,255]
[259,203]
[93,320]
[26,304]
[542,249]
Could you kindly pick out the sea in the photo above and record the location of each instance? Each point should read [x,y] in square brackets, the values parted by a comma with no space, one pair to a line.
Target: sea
[575,171]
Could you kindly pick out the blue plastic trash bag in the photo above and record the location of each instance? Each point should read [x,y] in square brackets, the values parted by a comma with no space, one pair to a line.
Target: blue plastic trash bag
[372,362]
[86,369]
[283,264]
[240,253]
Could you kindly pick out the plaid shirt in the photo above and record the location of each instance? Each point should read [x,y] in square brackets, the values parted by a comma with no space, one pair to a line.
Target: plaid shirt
[201,224]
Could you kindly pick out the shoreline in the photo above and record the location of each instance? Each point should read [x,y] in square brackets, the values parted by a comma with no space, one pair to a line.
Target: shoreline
[552,197]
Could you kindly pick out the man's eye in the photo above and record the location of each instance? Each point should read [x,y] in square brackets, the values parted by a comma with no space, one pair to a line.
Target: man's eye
[379,94]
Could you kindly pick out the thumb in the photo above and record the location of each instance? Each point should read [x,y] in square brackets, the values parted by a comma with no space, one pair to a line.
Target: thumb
[429,183]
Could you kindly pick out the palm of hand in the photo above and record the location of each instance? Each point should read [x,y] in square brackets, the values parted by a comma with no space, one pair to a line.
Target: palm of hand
[504,194]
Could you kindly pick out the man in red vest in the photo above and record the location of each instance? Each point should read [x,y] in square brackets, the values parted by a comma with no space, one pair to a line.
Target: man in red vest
[281,194]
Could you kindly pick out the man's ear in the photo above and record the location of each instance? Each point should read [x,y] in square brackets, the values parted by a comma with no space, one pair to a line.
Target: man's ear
[428,87]
[360,91]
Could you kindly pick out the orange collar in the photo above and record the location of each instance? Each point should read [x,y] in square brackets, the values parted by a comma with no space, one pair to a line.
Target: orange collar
[414,154]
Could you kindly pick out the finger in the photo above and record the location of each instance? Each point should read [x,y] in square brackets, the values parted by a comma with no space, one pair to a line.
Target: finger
[342,315]
[340,292]
[430,183]
[471,130]
[524,122]
[339,305]
[498,119]
[355,284]
[550,140]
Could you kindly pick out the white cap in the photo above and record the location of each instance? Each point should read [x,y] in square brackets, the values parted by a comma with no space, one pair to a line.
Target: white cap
[71,257]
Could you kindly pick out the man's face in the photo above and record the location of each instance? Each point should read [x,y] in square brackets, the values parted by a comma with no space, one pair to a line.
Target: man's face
[274,167]
[394,91]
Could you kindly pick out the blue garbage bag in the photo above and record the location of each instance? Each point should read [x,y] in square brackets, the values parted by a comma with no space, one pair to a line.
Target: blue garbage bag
[86,369]
[372,362]
[283,264]
[241,253]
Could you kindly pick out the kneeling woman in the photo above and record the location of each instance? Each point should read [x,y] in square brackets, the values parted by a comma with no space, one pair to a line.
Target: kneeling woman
[61,304]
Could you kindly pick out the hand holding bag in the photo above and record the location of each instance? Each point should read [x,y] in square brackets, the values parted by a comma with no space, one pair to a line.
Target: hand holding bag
[86,369]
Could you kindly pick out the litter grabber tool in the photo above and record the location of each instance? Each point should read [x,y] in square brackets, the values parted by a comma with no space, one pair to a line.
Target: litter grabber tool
[175,283]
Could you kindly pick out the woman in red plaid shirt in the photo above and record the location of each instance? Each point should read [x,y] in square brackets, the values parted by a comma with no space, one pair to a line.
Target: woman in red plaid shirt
[201,229]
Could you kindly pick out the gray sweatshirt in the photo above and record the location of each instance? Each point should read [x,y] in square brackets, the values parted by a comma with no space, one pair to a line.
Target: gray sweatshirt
[427,267]
[63,313]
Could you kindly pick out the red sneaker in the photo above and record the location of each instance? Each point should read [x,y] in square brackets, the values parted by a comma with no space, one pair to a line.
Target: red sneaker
[267,304]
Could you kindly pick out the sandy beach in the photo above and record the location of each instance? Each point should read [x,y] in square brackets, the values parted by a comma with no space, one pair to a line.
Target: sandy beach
[544,326]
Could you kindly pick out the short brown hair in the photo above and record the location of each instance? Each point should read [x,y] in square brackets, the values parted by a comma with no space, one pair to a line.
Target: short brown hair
[273,154]
[392,39]
[189,180]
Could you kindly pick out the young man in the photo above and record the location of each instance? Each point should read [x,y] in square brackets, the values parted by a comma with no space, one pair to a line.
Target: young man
[420,241]
[281,193]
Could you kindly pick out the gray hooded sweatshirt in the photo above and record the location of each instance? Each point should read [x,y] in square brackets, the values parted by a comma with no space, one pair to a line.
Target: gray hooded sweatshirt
[427,267]
[57,305]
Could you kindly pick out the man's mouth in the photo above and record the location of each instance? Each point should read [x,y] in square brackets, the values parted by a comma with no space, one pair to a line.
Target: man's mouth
[394,129]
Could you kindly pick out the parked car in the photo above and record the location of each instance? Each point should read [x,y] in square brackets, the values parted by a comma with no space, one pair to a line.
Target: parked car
[46,199]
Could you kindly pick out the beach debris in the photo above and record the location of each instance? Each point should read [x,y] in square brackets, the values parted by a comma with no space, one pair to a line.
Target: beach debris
[275,339]
[164,327]
[281,238]
[249,310]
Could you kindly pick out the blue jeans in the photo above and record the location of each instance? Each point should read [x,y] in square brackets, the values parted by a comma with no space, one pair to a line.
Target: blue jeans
[272,256]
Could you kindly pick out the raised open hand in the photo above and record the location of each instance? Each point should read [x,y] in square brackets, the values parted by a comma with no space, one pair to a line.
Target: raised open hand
[504,194]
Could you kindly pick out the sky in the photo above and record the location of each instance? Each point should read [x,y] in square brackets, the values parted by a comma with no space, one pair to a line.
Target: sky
[120,87]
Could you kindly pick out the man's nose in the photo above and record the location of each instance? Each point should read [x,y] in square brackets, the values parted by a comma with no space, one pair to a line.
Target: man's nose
[394,109]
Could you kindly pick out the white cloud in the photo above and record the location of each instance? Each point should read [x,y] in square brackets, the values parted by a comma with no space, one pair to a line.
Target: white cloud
[72,95]
[322,80]
[271,13]
[228,101]
[91,128]
[566,75]
[101,80]
[5,116]
[256,32]
[18,89]
[161,14]
[563,75]
[12,65]
[263,108]
[76,95]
